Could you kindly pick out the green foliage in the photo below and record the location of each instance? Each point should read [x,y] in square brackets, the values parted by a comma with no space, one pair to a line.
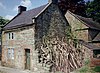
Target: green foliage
[3,21]
[68,33]
[87,68]
[83,70]
[71,36]
[87,62]
[93,10]
[97,69]
[75,6]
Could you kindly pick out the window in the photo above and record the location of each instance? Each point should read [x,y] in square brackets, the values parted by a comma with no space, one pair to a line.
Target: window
[10,53]
[11,35]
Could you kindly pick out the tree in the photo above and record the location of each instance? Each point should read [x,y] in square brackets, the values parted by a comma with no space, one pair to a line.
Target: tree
[93,10]
[3,21]
[75,6]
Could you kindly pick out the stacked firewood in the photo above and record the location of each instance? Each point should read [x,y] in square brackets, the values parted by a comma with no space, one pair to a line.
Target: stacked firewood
[60,55]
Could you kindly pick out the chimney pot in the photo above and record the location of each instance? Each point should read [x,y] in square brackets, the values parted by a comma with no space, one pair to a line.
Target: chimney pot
[21,9]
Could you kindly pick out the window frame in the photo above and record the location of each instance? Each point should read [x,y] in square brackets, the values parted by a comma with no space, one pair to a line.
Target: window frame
[11,35]
[11,53]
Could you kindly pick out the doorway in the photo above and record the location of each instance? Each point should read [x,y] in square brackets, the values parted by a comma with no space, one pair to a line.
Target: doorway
[27,58]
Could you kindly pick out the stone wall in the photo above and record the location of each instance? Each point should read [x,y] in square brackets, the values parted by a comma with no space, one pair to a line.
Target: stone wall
[97,44]
[88,53]
[51,22]
[77,27]
[23,39]
[50,32]
[51,25]
[41,39]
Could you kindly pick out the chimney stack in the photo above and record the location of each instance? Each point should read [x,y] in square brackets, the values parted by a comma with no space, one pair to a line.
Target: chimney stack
[21,9]
[53,1]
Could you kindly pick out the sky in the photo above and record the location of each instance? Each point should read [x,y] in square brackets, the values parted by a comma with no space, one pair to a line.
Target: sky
[9,8]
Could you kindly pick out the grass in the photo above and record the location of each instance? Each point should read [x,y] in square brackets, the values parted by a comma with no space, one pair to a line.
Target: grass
[83,70]
[88,69]
[96,69]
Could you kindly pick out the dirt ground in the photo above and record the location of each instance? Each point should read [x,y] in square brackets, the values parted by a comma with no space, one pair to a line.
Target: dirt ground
[12,70]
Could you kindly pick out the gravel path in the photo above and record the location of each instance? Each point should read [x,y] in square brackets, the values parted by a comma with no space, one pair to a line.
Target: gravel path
[12,70]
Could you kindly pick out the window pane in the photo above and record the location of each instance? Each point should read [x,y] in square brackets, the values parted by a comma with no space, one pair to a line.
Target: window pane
[12,35]
[9,35]
[9,53]
[12,53]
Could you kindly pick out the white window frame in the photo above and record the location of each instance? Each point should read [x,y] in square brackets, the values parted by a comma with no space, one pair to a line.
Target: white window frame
[10,53]
[10,35]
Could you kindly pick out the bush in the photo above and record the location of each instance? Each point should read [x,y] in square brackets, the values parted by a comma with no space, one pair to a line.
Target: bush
[83,70]
[97,69]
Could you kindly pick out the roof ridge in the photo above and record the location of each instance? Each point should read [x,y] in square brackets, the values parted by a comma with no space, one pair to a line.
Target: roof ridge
[26,17]
[90,46]
[36,7]
[80,19]
[76,16]
[11,19]
[97,36]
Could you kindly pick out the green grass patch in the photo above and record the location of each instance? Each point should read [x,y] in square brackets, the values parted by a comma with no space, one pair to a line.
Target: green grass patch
[96,69]
[87,69]
[83,69]
[87,62]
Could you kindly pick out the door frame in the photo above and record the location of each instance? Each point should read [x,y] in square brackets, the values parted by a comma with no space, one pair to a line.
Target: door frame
[25,50]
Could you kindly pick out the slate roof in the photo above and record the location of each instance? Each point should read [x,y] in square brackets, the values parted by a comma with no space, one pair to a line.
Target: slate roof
[25,18]
[87,21]
[97,38]
[89,45]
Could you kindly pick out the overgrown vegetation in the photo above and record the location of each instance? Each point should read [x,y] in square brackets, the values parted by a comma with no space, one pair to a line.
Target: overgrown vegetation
[3,21]
[96,69]
[88,69]
[93,10]
[89,9]
[75,6]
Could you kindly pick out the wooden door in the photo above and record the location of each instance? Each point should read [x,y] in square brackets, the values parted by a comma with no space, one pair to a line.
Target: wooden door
[27,55]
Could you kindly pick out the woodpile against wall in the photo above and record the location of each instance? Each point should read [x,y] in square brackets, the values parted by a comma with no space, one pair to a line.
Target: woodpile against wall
[55,52]
[59,55]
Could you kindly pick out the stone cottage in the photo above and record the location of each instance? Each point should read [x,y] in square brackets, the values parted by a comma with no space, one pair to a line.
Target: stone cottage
[85,30]
[36,40]
[22,35]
